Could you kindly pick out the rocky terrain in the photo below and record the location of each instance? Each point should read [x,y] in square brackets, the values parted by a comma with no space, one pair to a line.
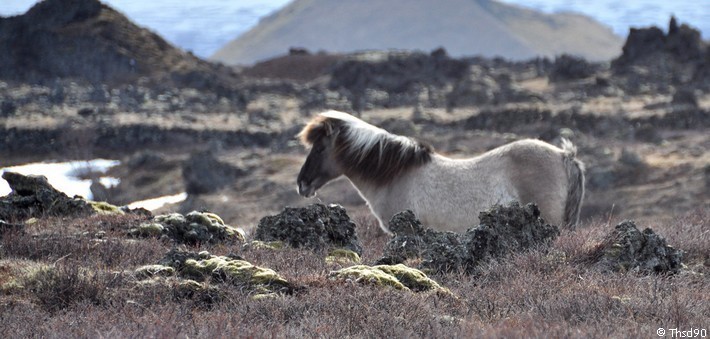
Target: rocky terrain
[233,250]
[640,123]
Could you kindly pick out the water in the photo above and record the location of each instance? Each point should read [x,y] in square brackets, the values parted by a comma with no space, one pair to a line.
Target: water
[64,176]
[155,203]
[206,25]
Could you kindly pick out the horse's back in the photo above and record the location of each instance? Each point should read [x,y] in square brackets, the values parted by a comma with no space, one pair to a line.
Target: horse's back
[526,171]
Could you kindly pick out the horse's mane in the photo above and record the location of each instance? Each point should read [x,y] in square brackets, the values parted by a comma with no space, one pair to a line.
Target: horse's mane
[364,150]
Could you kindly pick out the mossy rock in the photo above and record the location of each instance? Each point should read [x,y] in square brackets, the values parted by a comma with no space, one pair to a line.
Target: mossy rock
[413,278]
[152,229]
[368,274]
[237,271]
[316,227]
[199,266]
[102,207]
[342,256]
[192,228]
[171,219]
[398,276]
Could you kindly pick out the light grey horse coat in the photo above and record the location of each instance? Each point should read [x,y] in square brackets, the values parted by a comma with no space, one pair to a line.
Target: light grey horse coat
[394,173]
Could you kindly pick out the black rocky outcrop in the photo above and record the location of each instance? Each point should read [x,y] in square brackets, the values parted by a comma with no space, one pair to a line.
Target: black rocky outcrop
[627,248]
[317,227]
[502,230]
[33,196]
[654,60]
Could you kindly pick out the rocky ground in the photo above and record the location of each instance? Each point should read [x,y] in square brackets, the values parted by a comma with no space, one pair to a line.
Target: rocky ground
[315,271]
[640,122]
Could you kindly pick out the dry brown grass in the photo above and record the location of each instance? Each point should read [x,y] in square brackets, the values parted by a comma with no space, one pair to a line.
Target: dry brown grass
[82,287]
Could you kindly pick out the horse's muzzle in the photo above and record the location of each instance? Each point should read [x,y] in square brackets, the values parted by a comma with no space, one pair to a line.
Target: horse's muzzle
[306,190]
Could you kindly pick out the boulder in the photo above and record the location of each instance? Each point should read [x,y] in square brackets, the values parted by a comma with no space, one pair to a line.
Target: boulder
[317,227]
[628,249]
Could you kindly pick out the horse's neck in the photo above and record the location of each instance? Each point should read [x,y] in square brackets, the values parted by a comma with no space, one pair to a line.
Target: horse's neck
[368,190]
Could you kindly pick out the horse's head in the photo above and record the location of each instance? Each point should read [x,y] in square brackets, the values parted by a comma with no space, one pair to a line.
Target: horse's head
[320,166]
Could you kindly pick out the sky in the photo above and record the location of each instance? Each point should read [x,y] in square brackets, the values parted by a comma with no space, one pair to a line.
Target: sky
[203,26]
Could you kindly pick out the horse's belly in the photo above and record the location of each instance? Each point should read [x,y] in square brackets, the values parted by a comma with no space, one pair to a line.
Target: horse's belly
[458,211]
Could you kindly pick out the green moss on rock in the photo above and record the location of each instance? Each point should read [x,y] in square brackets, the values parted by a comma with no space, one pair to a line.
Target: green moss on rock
[368,274]
[398,276]
[342,256]
[152,229]
[102,207]
[199,266]
[193,228]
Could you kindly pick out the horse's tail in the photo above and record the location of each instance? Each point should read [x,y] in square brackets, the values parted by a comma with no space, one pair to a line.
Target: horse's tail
[575,187]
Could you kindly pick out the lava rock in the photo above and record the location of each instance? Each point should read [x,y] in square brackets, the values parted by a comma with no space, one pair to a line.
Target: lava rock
[628,249]
[317,227]
[568,67]
[33,196]
[502,230]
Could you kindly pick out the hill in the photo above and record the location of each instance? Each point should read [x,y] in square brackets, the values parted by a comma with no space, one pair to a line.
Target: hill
[88,40]
[463,27]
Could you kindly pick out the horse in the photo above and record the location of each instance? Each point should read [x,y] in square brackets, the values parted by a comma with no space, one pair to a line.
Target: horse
[393,173]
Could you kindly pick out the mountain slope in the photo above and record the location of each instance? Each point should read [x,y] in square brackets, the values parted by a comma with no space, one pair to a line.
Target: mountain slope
[463,27]
[88,40]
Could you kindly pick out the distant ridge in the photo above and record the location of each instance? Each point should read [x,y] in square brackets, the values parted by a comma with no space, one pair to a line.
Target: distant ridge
[463,27]
[89,41]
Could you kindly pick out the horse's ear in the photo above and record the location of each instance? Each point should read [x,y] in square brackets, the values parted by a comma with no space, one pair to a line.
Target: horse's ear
[328,127]
[316,129]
